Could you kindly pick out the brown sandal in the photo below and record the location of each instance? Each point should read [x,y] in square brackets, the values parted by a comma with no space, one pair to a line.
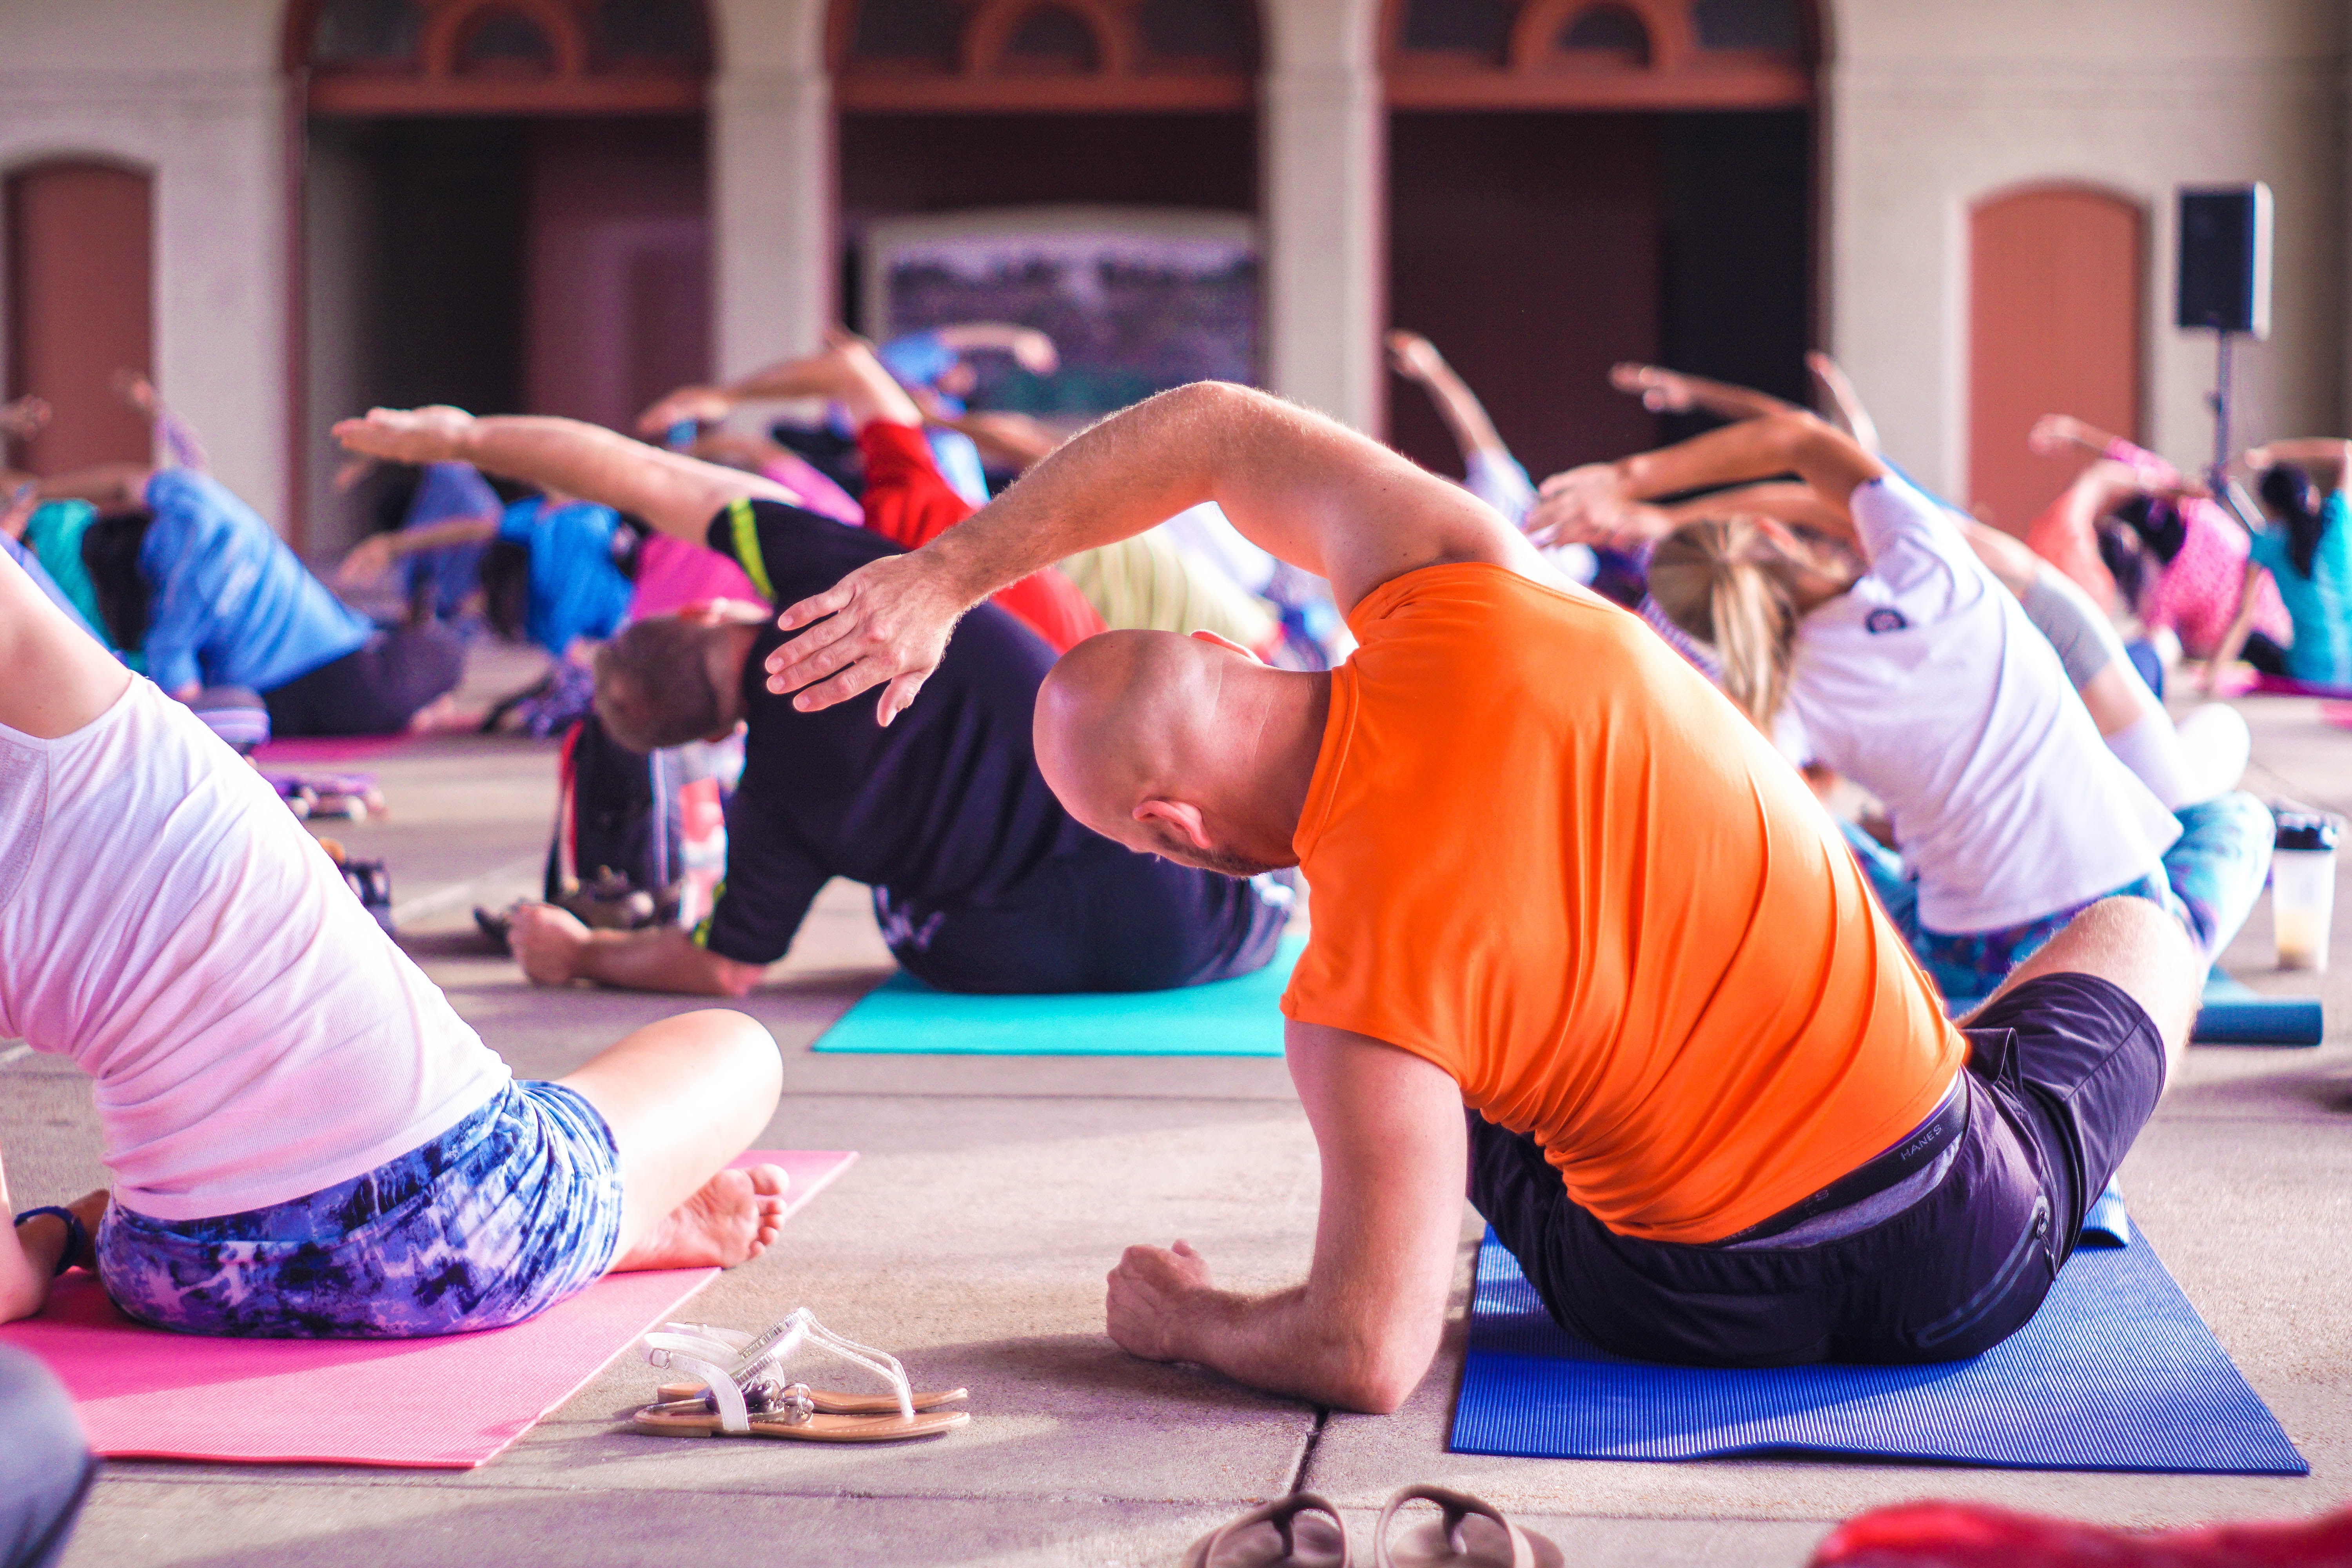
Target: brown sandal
[1471,1534]
[1287,1533]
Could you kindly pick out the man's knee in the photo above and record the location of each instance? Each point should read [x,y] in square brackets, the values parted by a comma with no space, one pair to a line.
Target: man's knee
[44,1465]
[2137,945]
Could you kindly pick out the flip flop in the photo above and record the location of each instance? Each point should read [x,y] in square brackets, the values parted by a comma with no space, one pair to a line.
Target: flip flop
[737,1349]
[751,1398]
[1471,1534]
[1276,1536]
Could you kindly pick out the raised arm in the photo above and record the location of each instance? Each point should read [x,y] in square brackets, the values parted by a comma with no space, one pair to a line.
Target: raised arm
[1295,484]
[1032,350]
[865,389]
[1844,401]
[1663,391]
[1416,359]
[1361,1333]
[677,494]
[373,556]
[1601,502]
[2330,455]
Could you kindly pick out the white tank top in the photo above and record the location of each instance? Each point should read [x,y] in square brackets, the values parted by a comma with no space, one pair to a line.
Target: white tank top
[167,923]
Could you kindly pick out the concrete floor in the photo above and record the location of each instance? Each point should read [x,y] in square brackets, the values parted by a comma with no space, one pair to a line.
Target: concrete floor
[973,1237]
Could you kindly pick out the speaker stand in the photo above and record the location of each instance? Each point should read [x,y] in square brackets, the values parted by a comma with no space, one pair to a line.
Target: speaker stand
[2218,479]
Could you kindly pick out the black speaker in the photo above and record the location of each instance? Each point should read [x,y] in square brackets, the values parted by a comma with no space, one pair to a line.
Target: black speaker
[2225,258]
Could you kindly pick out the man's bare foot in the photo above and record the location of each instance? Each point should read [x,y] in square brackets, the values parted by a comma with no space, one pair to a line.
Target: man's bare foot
[730,1221]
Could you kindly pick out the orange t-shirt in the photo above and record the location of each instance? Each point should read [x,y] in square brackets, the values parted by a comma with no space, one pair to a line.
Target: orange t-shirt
[1547,855]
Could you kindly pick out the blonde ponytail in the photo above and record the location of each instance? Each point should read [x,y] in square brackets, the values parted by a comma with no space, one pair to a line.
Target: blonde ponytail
[1725,583]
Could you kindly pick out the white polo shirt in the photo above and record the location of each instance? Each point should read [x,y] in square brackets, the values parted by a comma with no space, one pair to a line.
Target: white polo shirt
[1927,686]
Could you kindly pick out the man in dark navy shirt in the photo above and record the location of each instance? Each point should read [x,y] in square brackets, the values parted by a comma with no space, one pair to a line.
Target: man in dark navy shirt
[981,881]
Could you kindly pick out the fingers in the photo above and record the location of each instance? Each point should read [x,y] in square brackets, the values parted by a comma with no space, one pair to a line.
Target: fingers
[814,608]
[838,689]
[896,697]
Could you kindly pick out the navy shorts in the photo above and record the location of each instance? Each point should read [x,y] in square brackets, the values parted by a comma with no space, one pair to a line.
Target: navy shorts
[507,1213]
[2062,1072]
[1101,918]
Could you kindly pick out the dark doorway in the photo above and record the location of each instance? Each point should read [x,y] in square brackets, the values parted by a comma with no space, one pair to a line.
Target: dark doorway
[505,264]
[1538,248]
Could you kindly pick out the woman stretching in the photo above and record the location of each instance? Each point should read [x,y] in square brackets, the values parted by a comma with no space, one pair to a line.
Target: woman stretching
[306,1140]
[2307,553]
[1913,671]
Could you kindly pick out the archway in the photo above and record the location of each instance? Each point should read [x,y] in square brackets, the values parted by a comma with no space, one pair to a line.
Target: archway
[505,205]
[2056,282]
[1010,113]
[80,307]
[1573,182]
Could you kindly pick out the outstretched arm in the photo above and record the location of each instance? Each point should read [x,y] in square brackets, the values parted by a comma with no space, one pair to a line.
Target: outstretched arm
[1416,359]
[1297,485]
[1663,391]
[555,948]
[2330,456]
[1361,1333]
[677,494]
[845,372]
[373,556]
[1600,503]
[1032,350]
[1845,402]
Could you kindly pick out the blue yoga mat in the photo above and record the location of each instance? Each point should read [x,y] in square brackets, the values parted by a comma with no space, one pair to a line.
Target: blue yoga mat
[2235,1014]
[1238,1017]
[2116,1373]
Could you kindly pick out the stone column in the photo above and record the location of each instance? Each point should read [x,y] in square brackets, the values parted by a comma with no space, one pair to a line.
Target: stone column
[772,183]
[1324,133]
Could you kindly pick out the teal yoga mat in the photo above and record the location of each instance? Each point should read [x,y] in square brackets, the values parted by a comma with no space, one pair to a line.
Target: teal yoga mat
[1223,1018]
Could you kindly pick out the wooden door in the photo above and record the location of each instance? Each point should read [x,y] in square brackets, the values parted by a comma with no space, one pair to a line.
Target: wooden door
[2055,297]
[81,258]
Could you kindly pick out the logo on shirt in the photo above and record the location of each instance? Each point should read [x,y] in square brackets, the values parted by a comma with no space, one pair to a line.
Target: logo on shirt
[1884,620]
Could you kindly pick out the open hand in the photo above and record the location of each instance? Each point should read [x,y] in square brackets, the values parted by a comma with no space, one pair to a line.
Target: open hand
[432,435]
[1413,356]
[703,404]
[1034,352]
[2052,433]
[1150,1298]
[22,419]
[1662,390]
[1588,506]
[547,941]
[888,626]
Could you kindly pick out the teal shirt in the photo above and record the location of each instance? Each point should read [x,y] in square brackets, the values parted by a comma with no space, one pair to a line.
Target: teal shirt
[2320,604]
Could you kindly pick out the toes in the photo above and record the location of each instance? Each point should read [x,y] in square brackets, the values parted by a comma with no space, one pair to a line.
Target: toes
[768,1180]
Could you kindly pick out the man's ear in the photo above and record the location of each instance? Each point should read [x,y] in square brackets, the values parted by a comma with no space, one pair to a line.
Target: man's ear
[1182,816]
[1204,635]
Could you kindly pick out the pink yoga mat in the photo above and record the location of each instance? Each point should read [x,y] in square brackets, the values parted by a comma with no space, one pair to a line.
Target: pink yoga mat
[438,1404]
[328,749]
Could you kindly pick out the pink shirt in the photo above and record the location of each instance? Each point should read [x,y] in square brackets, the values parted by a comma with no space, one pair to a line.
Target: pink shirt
[2198,592]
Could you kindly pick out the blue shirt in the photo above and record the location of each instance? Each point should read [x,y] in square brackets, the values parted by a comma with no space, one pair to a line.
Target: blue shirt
[577,587]
[230,605]
[2320,604]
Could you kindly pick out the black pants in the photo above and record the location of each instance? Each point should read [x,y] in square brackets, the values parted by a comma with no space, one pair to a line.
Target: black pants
[45,1466]
[1101,918]
[372,690]
[2063,1071]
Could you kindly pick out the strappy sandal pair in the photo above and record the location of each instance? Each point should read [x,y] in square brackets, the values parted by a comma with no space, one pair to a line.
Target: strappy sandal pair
[1303,1531]
[739,1389]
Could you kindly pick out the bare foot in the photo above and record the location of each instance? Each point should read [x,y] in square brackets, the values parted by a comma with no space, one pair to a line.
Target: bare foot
[730,1221]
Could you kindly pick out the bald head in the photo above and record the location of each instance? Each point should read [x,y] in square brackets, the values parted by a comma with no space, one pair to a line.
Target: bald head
[1179,747]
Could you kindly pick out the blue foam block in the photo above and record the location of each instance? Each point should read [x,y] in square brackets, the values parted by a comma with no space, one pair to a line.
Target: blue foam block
[2234,1014]
[2116,1373]
[1240,1017]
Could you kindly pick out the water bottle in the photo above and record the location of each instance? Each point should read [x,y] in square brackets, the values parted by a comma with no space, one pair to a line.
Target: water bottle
[2302,888]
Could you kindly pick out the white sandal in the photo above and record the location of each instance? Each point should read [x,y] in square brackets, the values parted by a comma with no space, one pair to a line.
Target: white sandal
[740,1392]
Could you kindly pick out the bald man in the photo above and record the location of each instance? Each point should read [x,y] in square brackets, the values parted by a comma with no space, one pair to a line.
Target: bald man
[1713,1106]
